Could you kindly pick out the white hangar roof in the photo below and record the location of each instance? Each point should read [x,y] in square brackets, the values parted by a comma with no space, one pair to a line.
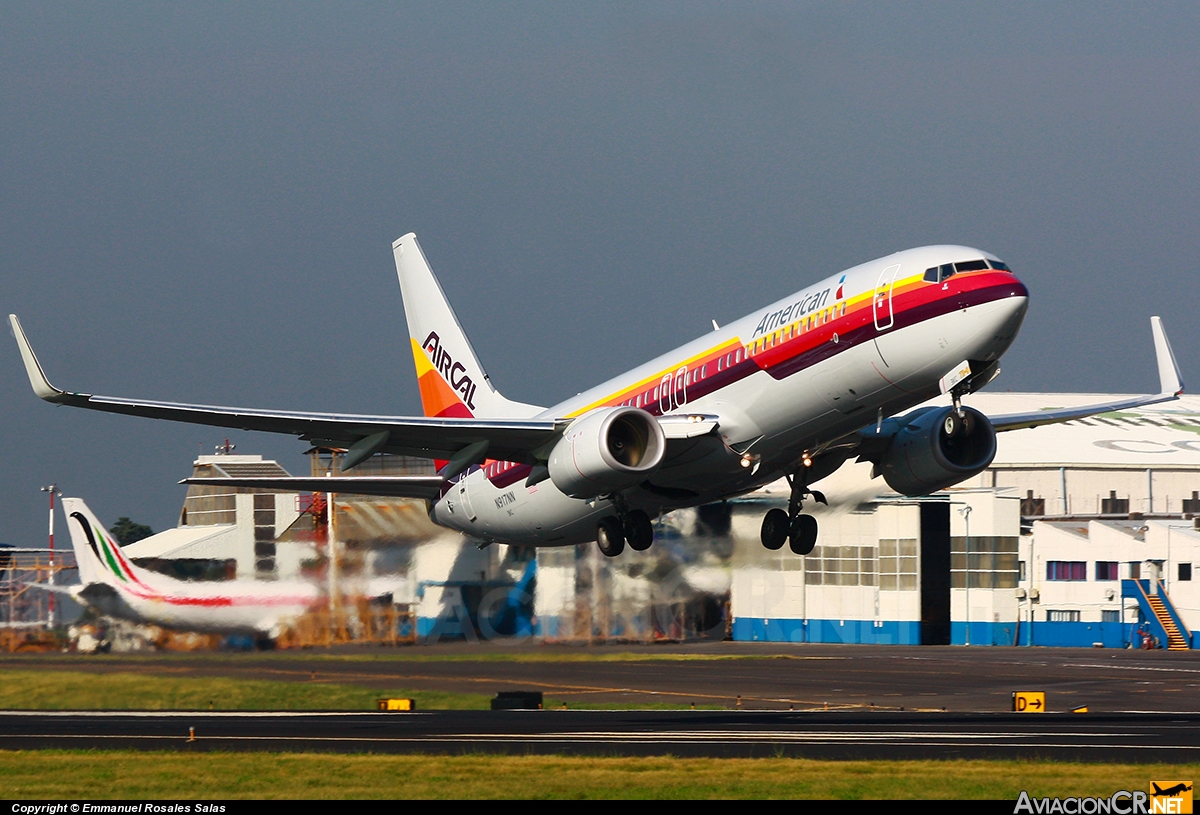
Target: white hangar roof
[1160,436]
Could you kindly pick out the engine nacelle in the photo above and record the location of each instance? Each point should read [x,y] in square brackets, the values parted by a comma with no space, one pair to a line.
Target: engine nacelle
[937,450]
[605,451]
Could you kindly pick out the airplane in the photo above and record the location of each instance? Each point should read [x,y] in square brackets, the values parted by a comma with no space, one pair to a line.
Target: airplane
[113,586]
[833,372]
[1170,792]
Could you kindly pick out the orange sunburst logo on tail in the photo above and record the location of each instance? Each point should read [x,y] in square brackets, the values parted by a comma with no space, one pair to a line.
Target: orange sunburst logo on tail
[447,388]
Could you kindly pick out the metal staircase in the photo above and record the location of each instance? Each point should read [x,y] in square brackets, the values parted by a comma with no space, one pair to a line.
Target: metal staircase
[1175,640]
[1158,610]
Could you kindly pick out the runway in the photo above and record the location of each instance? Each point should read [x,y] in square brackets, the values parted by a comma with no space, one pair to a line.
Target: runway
[756,676]
[825,701]
[1140,738]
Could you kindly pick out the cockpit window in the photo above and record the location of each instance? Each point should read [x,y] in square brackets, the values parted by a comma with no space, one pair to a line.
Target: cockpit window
[939,273]
[936,274]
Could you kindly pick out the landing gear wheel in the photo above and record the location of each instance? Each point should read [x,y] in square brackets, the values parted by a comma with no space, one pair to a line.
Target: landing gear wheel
[610,538]
[951,425]
[775,529]
[639,531]
[804,534]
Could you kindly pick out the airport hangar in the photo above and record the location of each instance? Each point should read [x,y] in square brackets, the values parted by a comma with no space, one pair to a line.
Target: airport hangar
[1079,534]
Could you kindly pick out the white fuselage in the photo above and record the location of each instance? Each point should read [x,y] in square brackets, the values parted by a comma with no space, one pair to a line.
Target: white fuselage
[802,372]
[115,587]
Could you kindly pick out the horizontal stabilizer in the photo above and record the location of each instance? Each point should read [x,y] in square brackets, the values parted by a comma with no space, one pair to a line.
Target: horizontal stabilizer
[390,486]
[69,591]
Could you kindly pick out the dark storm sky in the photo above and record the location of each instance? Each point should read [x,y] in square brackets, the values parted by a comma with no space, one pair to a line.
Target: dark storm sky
[197,200]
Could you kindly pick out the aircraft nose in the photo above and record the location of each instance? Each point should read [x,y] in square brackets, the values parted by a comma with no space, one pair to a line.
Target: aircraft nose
[1005,317]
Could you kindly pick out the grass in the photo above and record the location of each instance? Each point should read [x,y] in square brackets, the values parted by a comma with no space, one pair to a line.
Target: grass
[66,774]
[123,774]
[77,690]
[488,655]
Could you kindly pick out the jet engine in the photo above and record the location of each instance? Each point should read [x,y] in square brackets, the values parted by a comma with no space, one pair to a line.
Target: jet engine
[606,450]
[938,449]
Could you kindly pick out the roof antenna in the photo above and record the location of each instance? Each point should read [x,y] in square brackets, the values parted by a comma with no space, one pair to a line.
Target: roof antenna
[715,326]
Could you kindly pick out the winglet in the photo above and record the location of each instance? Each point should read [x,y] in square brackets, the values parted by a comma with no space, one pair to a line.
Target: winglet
[1168,368]
[37,377]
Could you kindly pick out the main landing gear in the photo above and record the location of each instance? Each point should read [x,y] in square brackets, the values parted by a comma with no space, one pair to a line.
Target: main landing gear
[800,530]
[613,533]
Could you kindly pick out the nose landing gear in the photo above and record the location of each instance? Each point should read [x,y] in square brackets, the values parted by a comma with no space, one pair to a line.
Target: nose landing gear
[800,530]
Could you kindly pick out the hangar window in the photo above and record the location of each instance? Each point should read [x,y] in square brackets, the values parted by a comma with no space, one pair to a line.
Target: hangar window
[1062,616]
[843,566]
[971,266]
[1112,505]
[1110,615]
[898,563]
[1066,570]
[1106,570]
[991,563]
[1185,571]
[1192,505]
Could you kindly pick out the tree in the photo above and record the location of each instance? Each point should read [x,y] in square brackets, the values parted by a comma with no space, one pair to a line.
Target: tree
[127,532]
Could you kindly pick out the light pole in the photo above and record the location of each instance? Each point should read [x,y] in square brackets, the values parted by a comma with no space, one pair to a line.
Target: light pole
[53,490]
[965,512]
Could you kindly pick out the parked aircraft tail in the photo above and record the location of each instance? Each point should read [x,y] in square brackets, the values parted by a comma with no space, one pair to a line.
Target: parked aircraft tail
[452,381]
[99,557]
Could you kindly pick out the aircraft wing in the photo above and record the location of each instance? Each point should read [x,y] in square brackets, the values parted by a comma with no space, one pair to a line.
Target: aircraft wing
[870,442]
[437,438]
[460,442]
[1170,386]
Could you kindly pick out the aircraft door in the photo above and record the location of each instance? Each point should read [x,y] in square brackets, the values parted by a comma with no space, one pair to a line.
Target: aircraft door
[672,390]
[884,318]
[464,498]
[679,398]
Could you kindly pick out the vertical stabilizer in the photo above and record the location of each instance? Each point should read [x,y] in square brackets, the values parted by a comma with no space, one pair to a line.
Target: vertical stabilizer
[99,557]
[452,381]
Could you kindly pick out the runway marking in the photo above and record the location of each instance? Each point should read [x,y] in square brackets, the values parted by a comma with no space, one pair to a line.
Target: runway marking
[1133,668]
[670,738]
